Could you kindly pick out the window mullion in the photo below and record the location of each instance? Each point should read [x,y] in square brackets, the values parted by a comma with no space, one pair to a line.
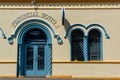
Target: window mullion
[85,48]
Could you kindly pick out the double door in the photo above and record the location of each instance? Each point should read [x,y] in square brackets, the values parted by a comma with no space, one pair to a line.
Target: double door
[35,60]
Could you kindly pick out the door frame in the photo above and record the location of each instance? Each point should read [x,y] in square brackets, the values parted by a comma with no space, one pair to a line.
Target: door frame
[21,46]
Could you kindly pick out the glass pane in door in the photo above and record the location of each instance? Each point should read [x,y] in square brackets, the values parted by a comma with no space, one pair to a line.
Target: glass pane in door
[29,58]
[40,57]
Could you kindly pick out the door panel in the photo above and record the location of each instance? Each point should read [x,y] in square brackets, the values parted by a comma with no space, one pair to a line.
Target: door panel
[29,58]
[29,62]
[40,55]
[35,60]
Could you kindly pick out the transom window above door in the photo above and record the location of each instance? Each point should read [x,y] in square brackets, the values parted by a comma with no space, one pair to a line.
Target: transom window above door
[35,36]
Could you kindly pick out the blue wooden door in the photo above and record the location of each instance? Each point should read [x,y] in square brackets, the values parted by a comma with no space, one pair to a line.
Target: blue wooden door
[35,64]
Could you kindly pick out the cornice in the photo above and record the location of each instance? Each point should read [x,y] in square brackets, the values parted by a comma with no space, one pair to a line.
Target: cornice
[58,1]
[59,5]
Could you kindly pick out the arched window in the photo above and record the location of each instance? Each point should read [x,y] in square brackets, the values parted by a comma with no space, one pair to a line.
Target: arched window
[94,45]
[77,45]
[35,36]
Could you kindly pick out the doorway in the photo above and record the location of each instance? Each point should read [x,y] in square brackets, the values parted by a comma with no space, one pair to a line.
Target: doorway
[35,52]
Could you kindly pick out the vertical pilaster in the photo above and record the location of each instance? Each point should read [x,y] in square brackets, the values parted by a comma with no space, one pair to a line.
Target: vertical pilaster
[49,60]
[86,48]
[19,60]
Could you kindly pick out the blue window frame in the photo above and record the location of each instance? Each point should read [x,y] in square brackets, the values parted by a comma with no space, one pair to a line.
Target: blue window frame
[77,37]
[91,43]
[94,45]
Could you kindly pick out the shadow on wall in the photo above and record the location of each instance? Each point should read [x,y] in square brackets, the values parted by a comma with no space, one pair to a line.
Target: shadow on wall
[66,26]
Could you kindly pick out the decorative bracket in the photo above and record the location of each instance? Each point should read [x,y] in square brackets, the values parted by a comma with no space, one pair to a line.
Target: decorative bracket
[59,39]
[10,39]
[3,35]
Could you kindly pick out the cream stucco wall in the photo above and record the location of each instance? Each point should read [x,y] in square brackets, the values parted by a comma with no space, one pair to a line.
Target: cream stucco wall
[86,70]
[8,69]
[109,18]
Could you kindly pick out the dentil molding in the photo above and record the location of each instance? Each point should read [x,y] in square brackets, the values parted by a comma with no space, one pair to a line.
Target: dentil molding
[59,5]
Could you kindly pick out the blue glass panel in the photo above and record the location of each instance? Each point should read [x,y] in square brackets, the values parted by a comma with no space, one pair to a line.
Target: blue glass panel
[94,45]
[77,45]
[41,58]
[29,58]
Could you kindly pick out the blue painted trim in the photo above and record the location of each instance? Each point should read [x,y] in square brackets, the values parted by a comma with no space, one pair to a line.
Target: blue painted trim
[101,47]
[85,48]
[20,59]
[49,60]
[59,39]
[26,27]
[100,26]
[19,63]
[3,34]
[36,21]
[32,26]
[33,21]
[71,43]
[68,30]
[86,28]
[101,42]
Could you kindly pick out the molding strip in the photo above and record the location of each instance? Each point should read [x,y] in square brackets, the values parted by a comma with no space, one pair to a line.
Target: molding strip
[86,62]
[8,62]
[60,76]
[68,62]
[63,77]
[7,76]
[85,77]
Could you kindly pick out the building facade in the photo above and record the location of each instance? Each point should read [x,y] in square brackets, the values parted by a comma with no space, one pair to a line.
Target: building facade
[59,38]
